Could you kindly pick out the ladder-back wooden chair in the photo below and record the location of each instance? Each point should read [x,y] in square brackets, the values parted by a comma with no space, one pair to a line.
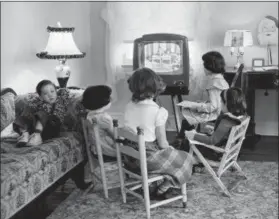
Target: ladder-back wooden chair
[96,158]
[230,154]
[122,139]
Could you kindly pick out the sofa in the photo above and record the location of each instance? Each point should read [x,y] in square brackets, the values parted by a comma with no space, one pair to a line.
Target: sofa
[30,172]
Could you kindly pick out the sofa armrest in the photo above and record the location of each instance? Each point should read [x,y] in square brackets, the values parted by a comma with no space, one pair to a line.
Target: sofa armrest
[7,107]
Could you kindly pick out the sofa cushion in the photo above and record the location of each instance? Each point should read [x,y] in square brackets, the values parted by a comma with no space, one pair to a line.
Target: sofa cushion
[19,164]
[7,109]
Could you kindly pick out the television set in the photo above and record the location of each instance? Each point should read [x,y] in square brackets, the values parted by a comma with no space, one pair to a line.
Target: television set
[168,56]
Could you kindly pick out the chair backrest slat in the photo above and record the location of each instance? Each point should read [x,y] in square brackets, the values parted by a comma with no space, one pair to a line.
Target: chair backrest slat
[138,139]
[129,151]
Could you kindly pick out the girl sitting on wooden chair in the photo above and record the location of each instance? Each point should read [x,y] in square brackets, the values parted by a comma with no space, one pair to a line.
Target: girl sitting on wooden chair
[142,111]
[233,112]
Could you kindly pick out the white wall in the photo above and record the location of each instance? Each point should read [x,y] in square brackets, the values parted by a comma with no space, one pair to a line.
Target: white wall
[217,17]
[23,34]
[247,15]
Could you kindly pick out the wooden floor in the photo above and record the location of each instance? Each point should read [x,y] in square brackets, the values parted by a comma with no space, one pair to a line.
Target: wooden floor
[265,150]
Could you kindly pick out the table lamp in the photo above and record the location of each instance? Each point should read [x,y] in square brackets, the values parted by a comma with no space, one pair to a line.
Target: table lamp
[237,40]
[61,46]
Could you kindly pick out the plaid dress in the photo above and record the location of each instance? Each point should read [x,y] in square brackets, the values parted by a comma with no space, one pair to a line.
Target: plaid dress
[176,165]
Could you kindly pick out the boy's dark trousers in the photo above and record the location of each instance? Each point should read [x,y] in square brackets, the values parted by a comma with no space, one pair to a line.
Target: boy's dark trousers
[27,122]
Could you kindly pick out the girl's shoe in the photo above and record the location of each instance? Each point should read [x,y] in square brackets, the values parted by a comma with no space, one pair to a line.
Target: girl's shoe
[161,196]
[35,139]
[181,144]
[22,140]
[198,168]
[178,142]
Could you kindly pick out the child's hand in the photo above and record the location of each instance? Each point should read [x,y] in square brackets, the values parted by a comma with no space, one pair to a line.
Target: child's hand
[190,134]
[209,129]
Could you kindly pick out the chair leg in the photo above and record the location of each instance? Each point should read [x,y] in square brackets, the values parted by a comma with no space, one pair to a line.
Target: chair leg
[239,169]
[104,181]
[211,171]
[184,195]
[122,185]
[146,199]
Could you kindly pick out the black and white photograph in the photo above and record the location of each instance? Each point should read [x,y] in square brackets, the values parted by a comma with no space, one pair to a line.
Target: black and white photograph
[139,109]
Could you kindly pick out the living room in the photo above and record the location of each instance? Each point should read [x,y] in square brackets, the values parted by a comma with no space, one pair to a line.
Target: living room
[101,30]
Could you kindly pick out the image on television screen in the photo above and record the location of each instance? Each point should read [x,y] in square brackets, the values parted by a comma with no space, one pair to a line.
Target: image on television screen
[164,57]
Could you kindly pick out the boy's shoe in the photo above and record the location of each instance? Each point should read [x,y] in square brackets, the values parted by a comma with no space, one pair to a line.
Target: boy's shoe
[35,139]
[22,140]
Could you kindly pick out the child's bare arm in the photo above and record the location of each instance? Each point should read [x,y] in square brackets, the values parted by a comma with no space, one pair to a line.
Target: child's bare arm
[213,104]
[160,130]
[161,136]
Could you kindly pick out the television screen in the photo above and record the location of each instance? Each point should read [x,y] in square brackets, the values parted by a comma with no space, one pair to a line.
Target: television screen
[164,57]
[166,54]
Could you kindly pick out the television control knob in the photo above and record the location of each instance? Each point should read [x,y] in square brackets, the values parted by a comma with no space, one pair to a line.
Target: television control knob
[179,83]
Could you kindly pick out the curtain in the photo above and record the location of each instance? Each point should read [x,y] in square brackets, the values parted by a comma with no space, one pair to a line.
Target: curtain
[130,20]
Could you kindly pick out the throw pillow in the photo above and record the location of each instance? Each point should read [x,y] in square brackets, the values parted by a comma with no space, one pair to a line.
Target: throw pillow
[7,109]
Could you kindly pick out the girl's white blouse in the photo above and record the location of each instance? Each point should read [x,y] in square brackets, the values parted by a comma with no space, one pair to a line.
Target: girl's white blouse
[147,114]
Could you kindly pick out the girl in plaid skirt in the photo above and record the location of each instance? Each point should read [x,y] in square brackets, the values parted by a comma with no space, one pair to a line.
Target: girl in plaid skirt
[142,111]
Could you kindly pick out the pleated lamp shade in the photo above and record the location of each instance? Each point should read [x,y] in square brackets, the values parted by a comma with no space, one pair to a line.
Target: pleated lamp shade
[61,44]
[238,38]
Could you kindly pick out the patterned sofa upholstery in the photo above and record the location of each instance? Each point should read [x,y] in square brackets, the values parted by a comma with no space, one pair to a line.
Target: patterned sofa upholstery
[28,172]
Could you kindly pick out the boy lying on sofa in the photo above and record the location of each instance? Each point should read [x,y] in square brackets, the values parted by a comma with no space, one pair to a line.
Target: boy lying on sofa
[43,117]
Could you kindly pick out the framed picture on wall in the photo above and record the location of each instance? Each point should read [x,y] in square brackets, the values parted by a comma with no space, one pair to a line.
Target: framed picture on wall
[257,62]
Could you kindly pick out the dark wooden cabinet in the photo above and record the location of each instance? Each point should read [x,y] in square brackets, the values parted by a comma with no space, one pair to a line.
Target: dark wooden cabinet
[249,82]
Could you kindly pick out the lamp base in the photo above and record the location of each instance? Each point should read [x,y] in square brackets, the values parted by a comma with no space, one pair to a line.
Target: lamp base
[62,82]
[62,73]
[237,65]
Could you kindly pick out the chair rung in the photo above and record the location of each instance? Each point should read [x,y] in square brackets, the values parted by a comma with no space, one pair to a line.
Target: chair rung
[206,145]
[135,187]
[225,168]
[134,194]
[237,146]
[213,163]
[132,174]
[231,157]
[155,178]
[166,201]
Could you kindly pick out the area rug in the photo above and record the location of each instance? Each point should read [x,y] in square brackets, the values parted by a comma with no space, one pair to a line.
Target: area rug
[256,197]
